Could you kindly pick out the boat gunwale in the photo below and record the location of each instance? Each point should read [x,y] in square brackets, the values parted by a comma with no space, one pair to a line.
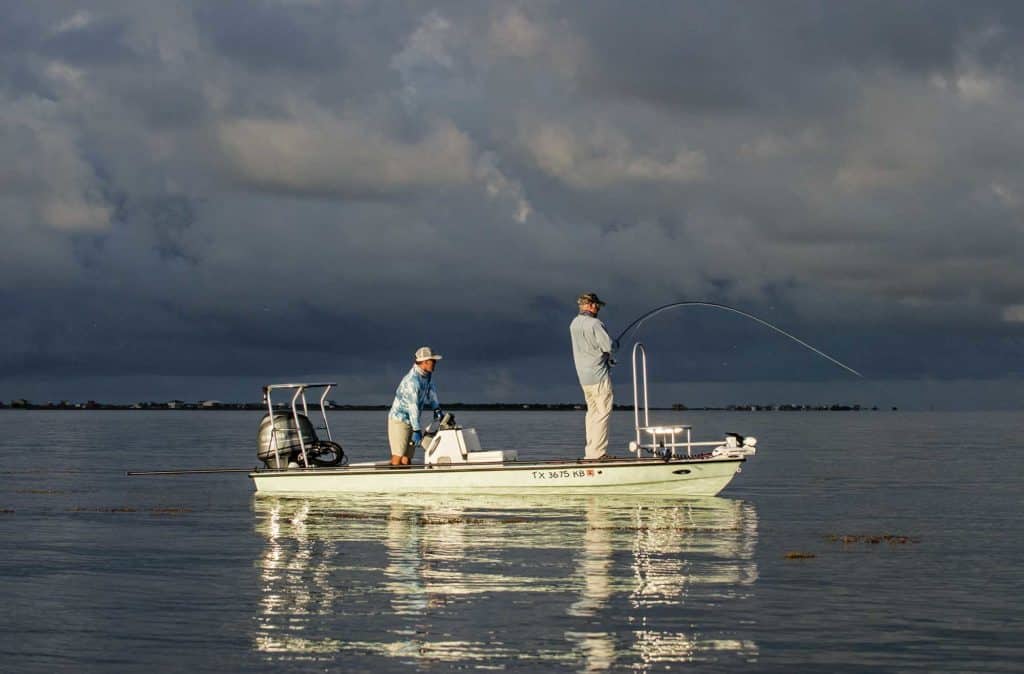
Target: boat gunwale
[491,466]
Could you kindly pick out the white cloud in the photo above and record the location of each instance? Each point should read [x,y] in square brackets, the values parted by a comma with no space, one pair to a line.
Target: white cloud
[314,152]
[426,58]
[77,21]
[606,157]
[972,81]
[427,46]
[973,86]
[64,75]
[977,87]
[1014,313]
[514,34]
[50,174]
[552,47]
[897,138]
[74,213]
[1006,196]
[773,145]
[499,186]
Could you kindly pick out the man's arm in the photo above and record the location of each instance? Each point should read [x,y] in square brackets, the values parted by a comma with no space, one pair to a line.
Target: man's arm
[432,400]
[604,342]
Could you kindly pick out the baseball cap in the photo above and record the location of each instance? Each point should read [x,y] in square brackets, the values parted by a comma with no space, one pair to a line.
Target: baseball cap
[426,353]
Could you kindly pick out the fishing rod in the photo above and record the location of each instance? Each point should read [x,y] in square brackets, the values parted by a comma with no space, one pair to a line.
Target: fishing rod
[635,325]
[187,471]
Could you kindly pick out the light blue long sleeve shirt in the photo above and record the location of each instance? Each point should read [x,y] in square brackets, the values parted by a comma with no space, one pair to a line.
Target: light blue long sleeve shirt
[591,349]
[414,391]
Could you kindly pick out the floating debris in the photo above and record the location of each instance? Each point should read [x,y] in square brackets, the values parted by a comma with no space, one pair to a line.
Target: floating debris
[41,491]
[6,511]
[800,555]
[169,511]
[891,539]
[103,510]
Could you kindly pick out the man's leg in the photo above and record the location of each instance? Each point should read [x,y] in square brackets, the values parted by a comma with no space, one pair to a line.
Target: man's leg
[599,410]
[399,437]
[602,417]
[588,397]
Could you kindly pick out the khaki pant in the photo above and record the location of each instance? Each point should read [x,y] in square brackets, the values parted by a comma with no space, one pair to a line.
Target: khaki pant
[400,438]
[599,411]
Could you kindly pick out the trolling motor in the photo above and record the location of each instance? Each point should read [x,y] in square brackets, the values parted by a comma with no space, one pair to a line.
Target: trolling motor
[736,446]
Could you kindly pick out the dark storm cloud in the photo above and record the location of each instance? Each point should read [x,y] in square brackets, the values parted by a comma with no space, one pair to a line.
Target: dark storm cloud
[99,43]
[264,35]
[261,190]
[792,57]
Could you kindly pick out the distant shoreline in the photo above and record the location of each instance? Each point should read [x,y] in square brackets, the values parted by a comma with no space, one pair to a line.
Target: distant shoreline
[178,406]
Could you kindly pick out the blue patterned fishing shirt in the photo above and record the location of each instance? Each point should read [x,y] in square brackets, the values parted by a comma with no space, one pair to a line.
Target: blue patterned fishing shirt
[414,391]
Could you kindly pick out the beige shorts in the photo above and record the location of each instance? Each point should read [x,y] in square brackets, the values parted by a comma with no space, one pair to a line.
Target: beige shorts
[400,438]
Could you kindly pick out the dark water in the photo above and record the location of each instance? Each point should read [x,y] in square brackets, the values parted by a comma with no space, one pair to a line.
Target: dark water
[105,573]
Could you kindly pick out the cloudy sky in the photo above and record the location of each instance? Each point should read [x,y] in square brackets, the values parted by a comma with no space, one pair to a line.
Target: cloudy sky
[196,198]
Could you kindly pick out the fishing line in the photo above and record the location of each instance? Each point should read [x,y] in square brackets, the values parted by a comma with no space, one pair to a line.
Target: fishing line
[635,325]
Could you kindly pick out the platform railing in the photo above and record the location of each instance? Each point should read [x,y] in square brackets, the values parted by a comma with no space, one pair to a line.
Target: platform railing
[297,396]
[639,358]
[664,440]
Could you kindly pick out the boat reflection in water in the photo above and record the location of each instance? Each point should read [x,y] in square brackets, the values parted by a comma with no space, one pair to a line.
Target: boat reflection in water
[587,582]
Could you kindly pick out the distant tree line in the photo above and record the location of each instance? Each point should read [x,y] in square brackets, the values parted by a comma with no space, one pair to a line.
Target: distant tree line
[22,403]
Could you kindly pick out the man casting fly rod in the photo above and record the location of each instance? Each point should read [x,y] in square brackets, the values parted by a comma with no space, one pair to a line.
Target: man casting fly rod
[593,351]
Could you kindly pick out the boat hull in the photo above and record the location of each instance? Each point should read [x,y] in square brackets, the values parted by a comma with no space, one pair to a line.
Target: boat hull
[681,477]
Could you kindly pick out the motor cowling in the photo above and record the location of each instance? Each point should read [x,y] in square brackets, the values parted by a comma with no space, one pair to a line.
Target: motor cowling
[277,442]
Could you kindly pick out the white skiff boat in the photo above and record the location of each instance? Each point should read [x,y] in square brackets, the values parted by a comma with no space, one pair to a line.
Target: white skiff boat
[663,459]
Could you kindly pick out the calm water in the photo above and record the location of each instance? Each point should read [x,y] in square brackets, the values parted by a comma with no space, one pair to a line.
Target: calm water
[102,573]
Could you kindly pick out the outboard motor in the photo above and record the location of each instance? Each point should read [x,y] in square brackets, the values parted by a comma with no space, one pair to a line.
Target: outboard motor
[282,439]
[282,445]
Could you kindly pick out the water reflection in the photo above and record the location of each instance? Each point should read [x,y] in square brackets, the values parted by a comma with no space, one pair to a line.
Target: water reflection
[593,583]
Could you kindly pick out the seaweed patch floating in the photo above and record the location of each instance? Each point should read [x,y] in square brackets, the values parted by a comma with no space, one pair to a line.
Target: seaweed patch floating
[170,511]
[891,539]
[80,509]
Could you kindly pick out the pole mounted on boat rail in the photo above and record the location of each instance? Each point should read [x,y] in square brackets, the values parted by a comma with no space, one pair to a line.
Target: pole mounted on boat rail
[187,471]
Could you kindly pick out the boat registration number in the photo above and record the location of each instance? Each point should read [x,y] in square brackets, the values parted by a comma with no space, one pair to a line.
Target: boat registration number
[561,474]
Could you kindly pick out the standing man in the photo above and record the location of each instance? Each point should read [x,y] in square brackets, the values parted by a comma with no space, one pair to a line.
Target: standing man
[592,353]
[414,391]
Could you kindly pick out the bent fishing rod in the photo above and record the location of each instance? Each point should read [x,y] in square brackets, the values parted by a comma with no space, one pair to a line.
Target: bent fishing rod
[635,325]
